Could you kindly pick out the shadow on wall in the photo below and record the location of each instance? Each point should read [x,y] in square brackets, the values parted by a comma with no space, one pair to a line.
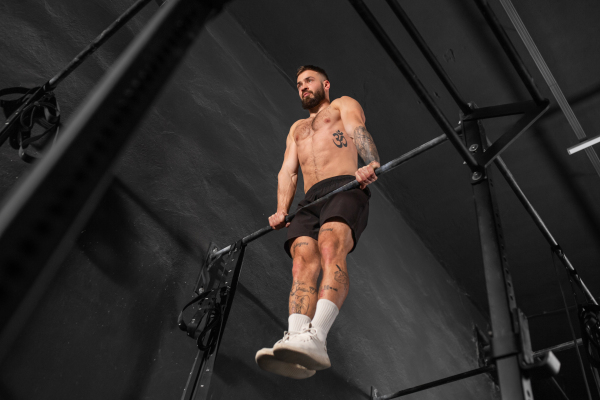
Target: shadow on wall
[243,291]
[239,370]
[108,241]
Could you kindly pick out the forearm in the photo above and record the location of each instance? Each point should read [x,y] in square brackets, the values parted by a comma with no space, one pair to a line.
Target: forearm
[365,145]
[286,189]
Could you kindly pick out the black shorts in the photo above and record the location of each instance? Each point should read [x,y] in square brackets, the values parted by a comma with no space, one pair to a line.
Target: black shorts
[352,206]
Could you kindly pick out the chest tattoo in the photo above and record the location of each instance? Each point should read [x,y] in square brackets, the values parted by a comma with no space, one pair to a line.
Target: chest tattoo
[339,139]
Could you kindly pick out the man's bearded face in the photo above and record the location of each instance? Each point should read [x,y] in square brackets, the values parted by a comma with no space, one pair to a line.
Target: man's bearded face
[314,98]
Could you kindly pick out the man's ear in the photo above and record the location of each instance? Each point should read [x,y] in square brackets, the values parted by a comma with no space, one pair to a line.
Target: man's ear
[326,84]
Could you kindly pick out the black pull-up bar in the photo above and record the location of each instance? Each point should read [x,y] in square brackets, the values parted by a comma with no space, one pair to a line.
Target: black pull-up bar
[352,185]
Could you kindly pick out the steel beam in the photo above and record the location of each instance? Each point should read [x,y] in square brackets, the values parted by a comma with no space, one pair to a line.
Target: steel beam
[544,229]
[502,304]
[414,82]
[428,54]
[509,49]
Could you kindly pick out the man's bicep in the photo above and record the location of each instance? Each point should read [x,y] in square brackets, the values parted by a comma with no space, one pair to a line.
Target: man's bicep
[353,115]
[290,158]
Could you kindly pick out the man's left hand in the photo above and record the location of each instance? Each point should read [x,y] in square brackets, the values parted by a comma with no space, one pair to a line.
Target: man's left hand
[366,175]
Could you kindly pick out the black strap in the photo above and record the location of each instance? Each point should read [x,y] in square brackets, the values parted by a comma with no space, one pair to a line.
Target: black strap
[44,112]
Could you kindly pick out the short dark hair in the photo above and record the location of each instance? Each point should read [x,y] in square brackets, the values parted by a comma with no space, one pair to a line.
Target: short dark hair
[312,68]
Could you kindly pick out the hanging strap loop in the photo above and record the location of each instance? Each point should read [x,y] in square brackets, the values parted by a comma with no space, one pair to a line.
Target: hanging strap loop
[44,111]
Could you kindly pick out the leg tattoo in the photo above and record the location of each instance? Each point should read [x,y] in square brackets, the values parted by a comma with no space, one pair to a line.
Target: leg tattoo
[300,297]
[342,277]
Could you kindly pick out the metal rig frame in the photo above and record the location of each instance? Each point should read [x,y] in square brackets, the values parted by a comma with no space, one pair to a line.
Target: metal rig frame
[42,216]
[510,347]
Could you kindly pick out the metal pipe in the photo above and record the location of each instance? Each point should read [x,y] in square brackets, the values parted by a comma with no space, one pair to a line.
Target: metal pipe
[352,185]
[428,54]
[453,378]
[542,227]
[558,347]
[510,50]
[96,43]
[414,82]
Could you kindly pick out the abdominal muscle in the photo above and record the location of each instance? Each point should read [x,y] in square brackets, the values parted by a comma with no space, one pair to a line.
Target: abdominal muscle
[326,153]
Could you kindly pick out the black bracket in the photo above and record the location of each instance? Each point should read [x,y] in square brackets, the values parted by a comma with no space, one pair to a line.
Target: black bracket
[215,289]
[531,111]
[541,366]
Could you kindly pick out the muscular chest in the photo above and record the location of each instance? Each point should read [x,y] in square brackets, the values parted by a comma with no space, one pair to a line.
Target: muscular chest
[321,123]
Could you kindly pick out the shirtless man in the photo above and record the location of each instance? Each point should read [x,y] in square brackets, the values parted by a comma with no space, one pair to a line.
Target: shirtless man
[326,146]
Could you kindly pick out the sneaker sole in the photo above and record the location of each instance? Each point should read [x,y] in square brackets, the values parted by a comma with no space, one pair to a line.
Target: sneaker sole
[293,356]
[267,362]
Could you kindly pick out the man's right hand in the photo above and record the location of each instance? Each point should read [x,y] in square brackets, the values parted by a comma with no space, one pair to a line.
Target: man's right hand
[277,220]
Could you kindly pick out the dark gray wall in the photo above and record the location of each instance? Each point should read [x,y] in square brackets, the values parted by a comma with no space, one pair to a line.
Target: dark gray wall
[203,168]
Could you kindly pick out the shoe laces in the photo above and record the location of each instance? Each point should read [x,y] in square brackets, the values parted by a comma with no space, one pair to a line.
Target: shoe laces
[287,336]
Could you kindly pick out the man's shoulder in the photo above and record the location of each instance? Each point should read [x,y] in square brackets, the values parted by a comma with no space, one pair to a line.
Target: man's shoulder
[295,124]
[344,101]
[292,128]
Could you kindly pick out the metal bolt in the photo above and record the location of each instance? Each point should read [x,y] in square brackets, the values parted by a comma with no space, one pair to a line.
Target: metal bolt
[473,148]
[476,176]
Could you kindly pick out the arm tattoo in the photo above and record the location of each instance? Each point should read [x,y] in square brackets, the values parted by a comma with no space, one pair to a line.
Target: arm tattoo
[365,145]
[300,244]
[342,277]
[327,230]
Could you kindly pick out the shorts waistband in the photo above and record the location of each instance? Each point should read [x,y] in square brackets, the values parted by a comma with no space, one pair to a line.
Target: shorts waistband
[328,185]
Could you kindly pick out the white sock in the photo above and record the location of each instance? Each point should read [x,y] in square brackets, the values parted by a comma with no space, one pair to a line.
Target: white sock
[295,322]
[326,313]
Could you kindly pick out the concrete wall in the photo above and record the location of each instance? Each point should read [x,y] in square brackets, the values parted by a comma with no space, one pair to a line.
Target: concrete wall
[203,168]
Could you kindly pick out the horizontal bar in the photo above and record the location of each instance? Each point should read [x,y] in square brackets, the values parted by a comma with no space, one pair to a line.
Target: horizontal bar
[352,185]
[429,56]
[542,227]
[510,50]
[514,132]
[502,110]
[453,378]
[414,82]
[558,347]
[583,145]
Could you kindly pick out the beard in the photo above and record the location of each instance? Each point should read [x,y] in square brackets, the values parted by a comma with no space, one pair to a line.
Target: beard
[309,102]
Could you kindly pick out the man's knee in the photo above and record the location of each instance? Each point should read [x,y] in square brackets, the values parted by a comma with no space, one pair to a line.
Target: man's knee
[307,261]
[305,268]
[332,249]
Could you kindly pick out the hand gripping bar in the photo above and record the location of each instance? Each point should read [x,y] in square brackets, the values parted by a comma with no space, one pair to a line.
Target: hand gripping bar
[352,185]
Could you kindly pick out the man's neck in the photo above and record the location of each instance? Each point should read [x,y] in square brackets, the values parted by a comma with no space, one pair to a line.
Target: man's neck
[315,110]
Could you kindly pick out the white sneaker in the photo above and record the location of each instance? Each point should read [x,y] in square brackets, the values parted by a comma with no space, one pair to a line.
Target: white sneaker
[267,362]
[304,348]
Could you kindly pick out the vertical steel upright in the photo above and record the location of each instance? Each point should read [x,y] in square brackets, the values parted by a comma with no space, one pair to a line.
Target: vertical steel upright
[514,385]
